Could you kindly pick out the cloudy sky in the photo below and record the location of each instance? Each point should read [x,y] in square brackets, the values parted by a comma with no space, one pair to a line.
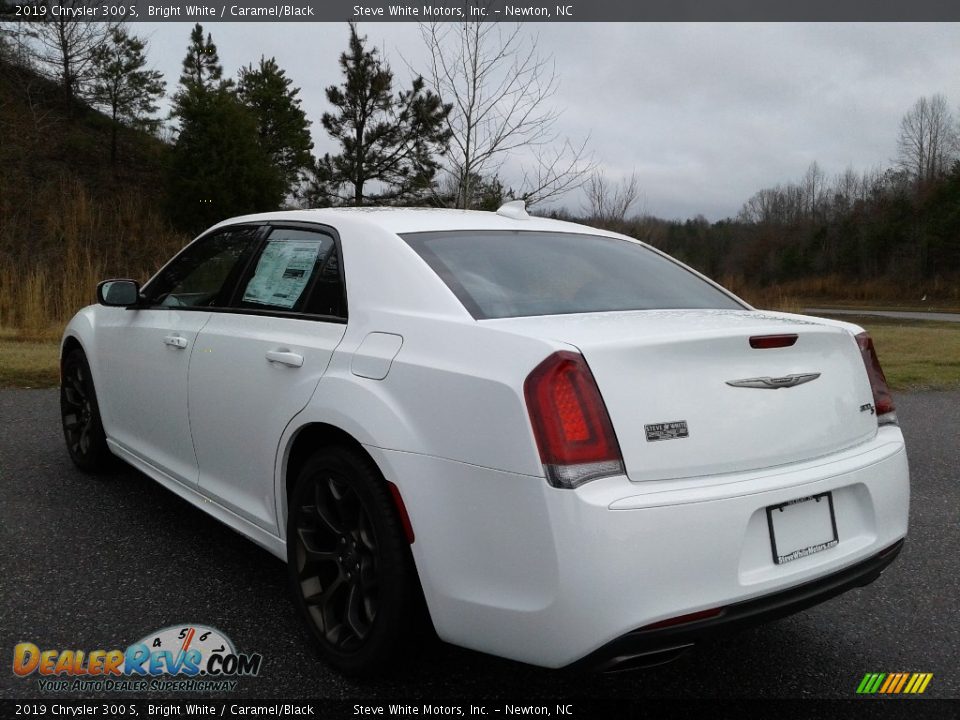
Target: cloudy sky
[706,114]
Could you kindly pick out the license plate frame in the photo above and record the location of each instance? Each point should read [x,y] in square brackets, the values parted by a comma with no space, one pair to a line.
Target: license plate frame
[797,506]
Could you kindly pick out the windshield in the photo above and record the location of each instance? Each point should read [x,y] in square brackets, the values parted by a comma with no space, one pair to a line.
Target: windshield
[500,274]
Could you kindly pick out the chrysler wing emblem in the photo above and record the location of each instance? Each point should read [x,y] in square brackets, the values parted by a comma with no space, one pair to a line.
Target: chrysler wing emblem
[774,383]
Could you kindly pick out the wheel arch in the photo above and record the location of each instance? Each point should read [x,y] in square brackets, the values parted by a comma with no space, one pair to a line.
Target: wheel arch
[70,343]
[302,444]
[80,334]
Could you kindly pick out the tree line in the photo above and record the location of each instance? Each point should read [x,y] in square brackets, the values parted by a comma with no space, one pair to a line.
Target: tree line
[899,224]
[243,144]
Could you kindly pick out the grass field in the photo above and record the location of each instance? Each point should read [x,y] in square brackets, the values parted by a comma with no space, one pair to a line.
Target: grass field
[28,363]
[914,355]
[917,356]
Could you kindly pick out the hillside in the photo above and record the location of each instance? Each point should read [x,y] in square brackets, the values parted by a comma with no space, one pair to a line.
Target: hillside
[67,216]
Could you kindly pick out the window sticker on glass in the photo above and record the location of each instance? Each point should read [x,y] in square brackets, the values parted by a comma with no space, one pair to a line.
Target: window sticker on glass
[282,273]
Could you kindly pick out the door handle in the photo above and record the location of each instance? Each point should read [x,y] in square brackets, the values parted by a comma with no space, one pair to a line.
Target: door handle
[285,357]
[175,341]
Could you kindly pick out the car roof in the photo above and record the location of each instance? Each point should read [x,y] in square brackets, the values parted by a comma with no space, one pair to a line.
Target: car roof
[410,220]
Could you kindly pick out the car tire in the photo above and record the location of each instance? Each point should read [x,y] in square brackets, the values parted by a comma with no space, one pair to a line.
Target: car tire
[80,415]
[351,572]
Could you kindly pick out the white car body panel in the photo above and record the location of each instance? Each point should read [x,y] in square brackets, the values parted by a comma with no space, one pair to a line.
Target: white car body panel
[150,381]
[509,564]
[540,556]
[267,540]
[236,392]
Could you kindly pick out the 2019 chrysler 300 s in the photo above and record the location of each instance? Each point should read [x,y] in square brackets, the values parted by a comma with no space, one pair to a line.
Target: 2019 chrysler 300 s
[562,445]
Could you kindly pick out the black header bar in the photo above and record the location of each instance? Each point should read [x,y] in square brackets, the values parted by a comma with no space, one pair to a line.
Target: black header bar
[209,11]
[115,708]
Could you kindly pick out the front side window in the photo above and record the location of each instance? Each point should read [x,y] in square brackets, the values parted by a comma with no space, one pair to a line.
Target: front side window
[499,274]
[204,274]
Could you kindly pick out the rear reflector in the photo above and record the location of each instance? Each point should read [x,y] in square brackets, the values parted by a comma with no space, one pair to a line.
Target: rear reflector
[402,512]
[882,400]
[684,619]
[570,422]
[764,342]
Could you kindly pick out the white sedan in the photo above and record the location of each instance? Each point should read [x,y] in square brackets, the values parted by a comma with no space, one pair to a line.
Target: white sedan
[557,443]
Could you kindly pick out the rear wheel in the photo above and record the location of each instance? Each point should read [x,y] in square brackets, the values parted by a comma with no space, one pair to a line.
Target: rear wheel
[350,568]
[80,415]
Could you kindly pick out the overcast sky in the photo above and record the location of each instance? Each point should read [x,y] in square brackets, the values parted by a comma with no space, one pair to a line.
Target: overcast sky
[707,114]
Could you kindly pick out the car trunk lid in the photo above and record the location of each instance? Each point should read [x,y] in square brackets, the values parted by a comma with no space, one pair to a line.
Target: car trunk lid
[688,395]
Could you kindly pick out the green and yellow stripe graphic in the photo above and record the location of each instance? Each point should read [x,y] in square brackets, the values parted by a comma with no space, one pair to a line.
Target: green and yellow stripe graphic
[894,683]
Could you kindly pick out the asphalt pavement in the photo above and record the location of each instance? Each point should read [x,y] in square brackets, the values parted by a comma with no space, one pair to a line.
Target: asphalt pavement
[92,563]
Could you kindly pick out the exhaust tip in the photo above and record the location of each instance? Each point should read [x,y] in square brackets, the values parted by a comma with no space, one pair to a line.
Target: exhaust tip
[642,661]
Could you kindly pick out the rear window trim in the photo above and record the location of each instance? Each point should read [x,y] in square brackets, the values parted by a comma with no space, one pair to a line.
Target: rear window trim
[445,274]
[463,297]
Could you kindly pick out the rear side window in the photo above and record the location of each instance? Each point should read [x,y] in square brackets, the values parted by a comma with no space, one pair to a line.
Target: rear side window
[297,271]
[516,274]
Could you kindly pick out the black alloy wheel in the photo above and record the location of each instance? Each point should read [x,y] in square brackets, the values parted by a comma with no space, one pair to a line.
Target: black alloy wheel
[80,415]
[350,567]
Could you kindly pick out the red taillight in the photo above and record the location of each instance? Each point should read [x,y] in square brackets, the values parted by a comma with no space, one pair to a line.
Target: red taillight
[570,422]
[765,342]
[882,400]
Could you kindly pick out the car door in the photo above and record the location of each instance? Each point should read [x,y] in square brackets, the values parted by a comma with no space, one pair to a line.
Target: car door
[257,365]
[145,352]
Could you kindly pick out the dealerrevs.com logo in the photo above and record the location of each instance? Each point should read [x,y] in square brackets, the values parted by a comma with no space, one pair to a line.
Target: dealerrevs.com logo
[179,658]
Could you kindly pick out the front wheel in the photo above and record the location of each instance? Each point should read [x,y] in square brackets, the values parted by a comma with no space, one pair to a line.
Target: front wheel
[350,568]
[80,415]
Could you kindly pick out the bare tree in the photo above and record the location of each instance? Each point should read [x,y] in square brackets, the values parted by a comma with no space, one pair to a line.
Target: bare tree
[608,202]
[6,46]
[65,48]
[928,139]
[845,192]
[16,55]
[814,189]
[15,36]
[500,87]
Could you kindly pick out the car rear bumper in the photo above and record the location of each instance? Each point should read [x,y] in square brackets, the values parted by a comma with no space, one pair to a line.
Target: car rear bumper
[513,567]
[650,646]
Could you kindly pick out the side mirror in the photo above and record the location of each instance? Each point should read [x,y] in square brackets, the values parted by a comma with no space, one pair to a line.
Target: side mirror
[118,293]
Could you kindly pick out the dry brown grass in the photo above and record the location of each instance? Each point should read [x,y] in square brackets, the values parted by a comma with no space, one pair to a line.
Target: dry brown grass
[939,294]
[74,243]
[769,298]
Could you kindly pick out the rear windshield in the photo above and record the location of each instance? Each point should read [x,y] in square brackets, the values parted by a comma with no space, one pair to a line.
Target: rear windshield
[516,274]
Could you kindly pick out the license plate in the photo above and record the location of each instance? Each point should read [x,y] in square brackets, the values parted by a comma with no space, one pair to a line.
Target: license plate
[802,527]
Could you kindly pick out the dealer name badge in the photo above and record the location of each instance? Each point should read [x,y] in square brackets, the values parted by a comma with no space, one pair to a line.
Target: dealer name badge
[667,430]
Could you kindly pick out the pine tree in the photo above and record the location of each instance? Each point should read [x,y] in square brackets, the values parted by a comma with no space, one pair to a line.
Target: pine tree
[393,140]
[123,84]
[202,72]
[282,126]
[218,167]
